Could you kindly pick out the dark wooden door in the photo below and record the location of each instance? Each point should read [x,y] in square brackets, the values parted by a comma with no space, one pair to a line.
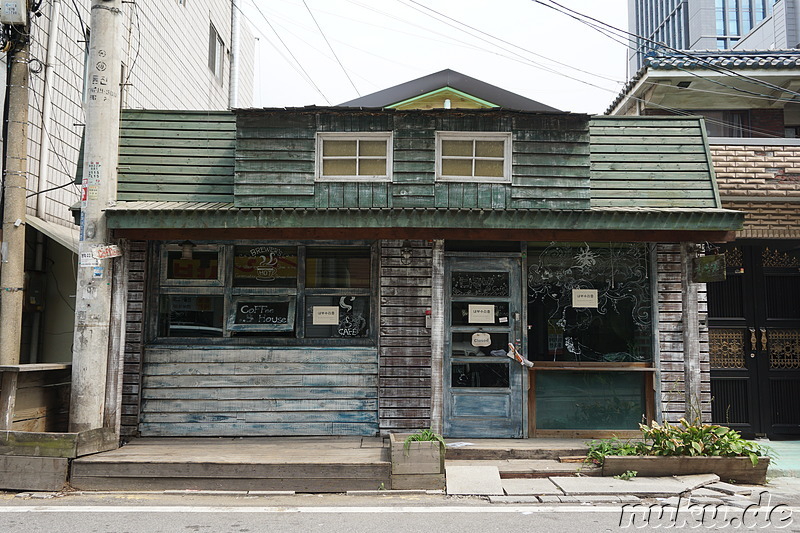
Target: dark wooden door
[483,387]
[754,339]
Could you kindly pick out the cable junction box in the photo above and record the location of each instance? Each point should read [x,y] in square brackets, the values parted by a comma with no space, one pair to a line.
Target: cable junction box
[14,12]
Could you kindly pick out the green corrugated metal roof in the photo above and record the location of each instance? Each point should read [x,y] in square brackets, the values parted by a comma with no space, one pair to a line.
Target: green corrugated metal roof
[190,215]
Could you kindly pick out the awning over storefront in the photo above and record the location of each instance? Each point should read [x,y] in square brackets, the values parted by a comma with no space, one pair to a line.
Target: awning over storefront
[63,235]
[158,220]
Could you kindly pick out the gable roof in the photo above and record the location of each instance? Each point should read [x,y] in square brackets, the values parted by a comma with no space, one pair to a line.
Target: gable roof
[454,80]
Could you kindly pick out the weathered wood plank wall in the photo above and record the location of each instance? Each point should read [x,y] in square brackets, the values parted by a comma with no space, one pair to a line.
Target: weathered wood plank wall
[180,156]
[405,342]
[235,391]
[670,339]
[648,162]
[275,161]
[134,331]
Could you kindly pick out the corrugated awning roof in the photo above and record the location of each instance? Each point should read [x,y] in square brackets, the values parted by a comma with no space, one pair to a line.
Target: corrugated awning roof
[193,215]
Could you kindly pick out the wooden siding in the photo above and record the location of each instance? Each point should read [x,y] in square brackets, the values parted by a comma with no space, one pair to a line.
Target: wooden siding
[275,161]
[259,391]
[651,162]
[670,339]
[134,331]
[405,342]
[176,156]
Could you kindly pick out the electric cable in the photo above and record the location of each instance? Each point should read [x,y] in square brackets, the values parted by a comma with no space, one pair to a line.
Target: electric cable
[331,47]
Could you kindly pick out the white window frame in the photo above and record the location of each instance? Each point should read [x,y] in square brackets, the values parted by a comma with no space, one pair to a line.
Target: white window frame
[216,52]
[475,136]
[385,136]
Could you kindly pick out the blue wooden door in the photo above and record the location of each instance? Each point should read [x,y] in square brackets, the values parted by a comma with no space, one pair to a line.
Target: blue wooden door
[483,388]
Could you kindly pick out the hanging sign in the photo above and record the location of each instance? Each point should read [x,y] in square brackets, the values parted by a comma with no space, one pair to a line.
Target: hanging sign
[585,298]
[481,314]
[325,315]
[480,340]
[709,268]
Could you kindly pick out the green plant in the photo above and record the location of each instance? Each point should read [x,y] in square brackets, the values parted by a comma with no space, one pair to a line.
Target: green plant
[627,475]
[423,435]
[683,439]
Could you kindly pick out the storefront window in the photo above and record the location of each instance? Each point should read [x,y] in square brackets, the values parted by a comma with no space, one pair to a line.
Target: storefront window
[264,266]
[589,303]
[265,290]
[190,315]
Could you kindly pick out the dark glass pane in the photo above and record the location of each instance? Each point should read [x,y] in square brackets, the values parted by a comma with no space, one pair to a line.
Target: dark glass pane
[265,266]
[192,264]
[480,314]
[337,316]
[618,329]
[480,375]
[480,284]
[463,344]
[190,316]
[337,267]
[589,400]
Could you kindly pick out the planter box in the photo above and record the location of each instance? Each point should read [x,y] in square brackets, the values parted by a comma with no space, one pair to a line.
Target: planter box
[420,466]
[738,469]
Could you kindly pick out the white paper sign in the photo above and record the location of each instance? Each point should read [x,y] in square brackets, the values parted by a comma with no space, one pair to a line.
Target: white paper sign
[86,259]
[106,251]
[584,298]
[325,315]
[480,340]
[481,314]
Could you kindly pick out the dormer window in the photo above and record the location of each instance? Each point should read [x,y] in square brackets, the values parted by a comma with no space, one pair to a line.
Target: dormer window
[473,157]
[354,156]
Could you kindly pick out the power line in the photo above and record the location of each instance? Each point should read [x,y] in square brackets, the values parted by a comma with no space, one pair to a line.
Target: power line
[331,48]
[305,74]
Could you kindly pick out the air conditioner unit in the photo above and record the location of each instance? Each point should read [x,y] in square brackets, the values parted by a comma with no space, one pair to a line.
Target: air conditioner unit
[14,12]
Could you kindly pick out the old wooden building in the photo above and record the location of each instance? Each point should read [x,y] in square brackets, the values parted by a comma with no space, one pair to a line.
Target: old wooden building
[367,268]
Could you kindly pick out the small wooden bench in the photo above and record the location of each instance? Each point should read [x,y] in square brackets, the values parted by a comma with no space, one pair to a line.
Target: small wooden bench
[34,397]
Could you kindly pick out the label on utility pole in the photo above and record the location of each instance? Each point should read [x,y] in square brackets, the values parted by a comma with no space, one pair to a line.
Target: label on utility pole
[93,180]
[87,259]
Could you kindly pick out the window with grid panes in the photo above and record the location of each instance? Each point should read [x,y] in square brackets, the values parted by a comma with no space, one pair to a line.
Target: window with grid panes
[354,156]
[469,156]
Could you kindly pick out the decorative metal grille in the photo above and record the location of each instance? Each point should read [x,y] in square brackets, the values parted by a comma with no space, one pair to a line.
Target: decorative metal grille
[784,348]
[778,259]
[480,284]
[733,258]
[726,347]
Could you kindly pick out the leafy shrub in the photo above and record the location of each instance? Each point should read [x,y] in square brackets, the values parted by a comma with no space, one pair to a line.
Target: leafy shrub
[423,435]
[685,439]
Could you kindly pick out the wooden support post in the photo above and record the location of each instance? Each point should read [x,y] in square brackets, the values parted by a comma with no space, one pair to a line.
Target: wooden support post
[691,334]
[8,398]
[437,336]
[116,350]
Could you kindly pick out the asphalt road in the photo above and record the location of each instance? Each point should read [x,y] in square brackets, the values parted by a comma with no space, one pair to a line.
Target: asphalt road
[156,513]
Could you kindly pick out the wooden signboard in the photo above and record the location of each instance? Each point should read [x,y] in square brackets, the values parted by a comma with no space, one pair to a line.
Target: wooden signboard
[262,313]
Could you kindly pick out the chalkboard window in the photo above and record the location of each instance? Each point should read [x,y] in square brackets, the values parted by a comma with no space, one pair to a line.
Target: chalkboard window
[185,315]
[262,313]
[354,156]
[339,267]
[265,266]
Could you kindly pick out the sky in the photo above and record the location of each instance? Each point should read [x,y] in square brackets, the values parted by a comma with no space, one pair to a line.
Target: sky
[325,52]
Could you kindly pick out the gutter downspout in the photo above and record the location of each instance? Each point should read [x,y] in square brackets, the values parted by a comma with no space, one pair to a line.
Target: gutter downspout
[47,107]
[233,85]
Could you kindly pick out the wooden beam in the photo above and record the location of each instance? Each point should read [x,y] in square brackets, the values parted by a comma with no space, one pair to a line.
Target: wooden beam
[8,398]
[691,334]
[437,337]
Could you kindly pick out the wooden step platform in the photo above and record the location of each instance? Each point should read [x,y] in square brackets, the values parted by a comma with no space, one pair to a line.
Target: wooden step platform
[500,449]
[325,464]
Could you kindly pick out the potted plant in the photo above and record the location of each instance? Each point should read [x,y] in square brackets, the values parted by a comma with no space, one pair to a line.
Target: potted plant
[686,448]
[418,460]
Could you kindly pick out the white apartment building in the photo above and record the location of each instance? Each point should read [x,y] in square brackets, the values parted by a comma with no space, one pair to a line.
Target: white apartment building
[177,54]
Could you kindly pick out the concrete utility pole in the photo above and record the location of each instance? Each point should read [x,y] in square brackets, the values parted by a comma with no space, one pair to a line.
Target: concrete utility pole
[94,283]
[15,183]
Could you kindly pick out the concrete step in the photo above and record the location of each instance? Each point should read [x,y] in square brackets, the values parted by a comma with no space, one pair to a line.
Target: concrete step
[306,477]
[530,468]
[497,449]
